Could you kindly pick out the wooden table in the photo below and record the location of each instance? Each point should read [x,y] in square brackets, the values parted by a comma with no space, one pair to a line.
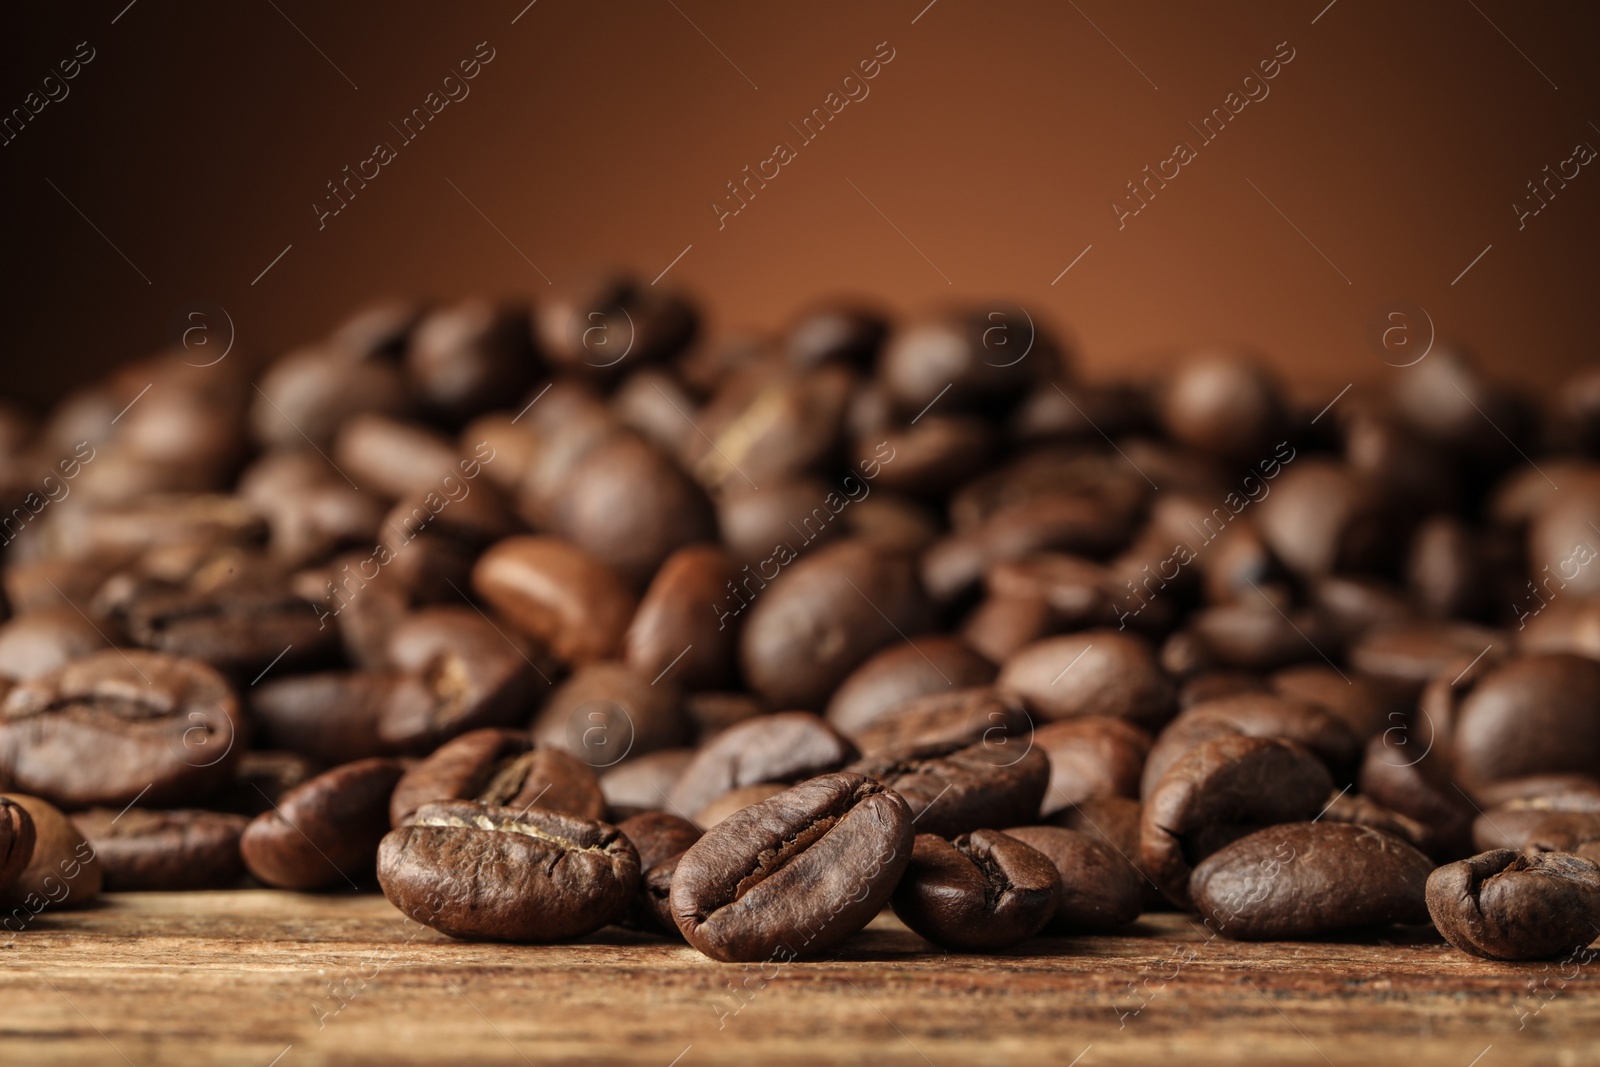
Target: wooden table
[258,977]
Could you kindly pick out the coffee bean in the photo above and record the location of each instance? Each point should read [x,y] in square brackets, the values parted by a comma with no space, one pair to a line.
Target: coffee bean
[1504,905]
[1403,775]
[140,849]
[483,873]
[823,616]
[469,357]
[1320,518]
[1302,881]
[323,834]
[1078,592]
[1534,714]
[675,632]
[642,784]
[1091,756]
[1409,654]
[768,423]
[260,779]
[903,672]
[61,872]
[1255,635]
[1254,715]
[307,395]
[1219,790]
[785,747]
[1533,786]
[1217,402]
[754,522]
[985,356]
[952,790]
[795,874]
[930,458]
[981,892]
[558,594]
[606,712]
[1358,810]
[1359,703]
[114,725]
[329,717]
[961,717]
[500,768]
[1100,889]
[660,839]
[1096,672]
[606,325]
[17,838]
[1001,625]
[1215,684]
[1065,522]
[1556,823]
[392,457]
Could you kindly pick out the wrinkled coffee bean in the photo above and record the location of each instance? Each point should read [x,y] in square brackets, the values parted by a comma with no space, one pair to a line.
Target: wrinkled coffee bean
[1254,715]
[114,726]
[502,769]
[1301,881]
[981,892]
[324,833]
[1100,889]
[1504,905]
[140,849]
[1220,790]
[953,790]
[793,875]
[61,872]
[781,748]
[482,873]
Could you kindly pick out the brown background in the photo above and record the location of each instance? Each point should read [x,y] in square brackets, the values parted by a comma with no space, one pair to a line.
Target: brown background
[1396,141]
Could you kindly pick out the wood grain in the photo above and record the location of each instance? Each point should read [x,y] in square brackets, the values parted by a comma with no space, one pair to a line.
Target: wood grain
[246,977]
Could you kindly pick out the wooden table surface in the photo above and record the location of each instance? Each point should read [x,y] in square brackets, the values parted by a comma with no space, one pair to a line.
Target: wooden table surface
[260,978]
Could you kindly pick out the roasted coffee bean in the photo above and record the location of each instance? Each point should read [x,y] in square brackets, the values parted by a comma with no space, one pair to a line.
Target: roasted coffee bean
[324,833]
[1563,626]
[981,892]
[466,358]
[482,873]
[754,522]
[503,769]
[900,673]
[308,394]
[660,839]
[558,594]
[113,726]
[735,800]
[1220,403]
[1100,889]
[952,789]
[1114,822]
[1533,786]
[642,784]
[41,641]
[1091,756]
[1096,672]
[894,523]
[1359,702]
[986,356]
[1407,777]
[795,874]
[999,626]
[768,423]
[61,872]
[962,717]
[1215,684]
[607,712]
[1255,635]
[1077,591]
[1505,905]
[392,457]
[1347,807]
[1302,881]
[17,837]
[1226,786]
[1534,714]
[139,849]
[823,616]
[1254,715]
[1409,654]
[782,748]
[329,717]
[1065,522]
[1321,518]
[930,458]
[1556,823]
[604,326]
[675,632]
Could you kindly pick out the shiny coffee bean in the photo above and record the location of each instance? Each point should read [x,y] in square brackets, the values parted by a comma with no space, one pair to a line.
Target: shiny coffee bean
[1096,672]
[676,632]
[392,457]
[140,849]
[1218,791]
[782,748]
[1534,714]
[1220,403]
[324,834]
[1505,905]
[558,594]
[981,892]
[606,712]
[961,717]
[793,875]
[61,872]
[792,514]
[903,672]
[1406,656]
[1302,881]
[767,424]
[953,790]
[1091,756]
[822,617]
[329,717]
[482,873]
[604,326]
[1100,890]
[500,768]
[835,332]
[113,726]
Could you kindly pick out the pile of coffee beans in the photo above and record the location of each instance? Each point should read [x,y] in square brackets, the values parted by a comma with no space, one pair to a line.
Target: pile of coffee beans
[544,619]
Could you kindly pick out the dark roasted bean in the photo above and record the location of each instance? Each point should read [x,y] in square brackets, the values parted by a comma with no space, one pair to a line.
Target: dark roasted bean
[324,833]
[141,849]
[1504,905]
[1100,889]
[983,891]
